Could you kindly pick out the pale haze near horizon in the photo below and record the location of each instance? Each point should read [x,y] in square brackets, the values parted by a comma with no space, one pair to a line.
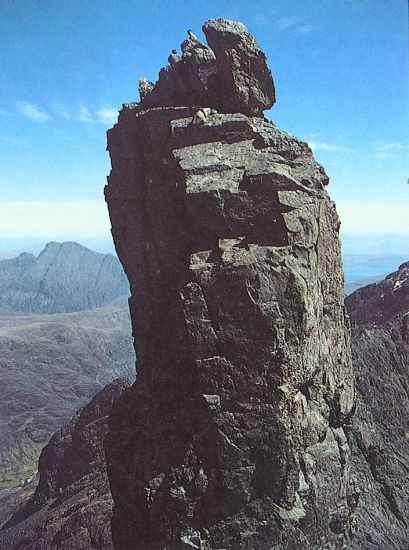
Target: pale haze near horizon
[341,74]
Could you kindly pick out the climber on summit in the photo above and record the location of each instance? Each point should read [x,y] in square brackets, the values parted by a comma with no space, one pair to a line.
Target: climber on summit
[192,35]
[194,39]
[173,58]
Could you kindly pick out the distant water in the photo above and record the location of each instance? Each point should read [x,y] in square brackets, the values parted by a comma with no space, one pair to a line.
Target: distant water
[369,256]
[357,267]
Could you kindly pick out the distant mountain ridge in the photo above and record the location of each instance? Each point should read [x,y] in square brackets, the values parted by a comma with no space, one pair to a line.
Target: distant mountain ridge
[63,278]
[380,302]
[7,255]
[64,333]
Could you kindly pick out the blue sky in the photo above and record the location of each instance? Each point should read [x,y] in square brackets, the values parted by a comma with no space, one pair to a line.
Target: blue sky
[342,82]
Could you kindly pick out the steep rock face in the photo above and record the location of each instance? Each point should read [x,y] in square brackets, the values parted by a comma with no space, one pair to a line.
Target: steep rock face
[380,434]
[65,277]
[233,435]
[72,505]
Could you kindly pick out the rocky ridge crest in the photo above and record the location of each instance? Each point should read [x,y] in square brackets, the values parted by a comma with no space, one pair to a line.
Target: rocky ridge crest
[230,76]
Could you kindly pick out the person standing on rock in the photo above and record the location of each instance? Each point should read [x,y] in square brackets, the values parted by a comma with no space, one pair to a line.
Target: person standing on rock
[173,58]
[194,40]
[189,45]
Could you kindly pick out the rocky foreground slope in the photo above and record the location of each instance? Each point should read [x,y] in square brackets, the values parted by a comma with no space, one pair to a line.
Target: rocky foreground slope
[233,436]
[50,366]
[65,277]
[73,459]
[72,505]
[380,434]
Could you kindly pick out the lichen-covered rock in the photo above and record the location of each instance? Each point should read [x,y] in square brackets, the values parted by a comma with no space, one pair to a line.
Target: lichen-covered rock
[233,435]
[72,505]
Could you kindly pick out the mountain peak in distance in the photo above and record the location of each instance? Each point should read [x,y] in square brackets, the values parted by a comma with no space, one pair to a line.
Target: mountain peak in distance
[63,278]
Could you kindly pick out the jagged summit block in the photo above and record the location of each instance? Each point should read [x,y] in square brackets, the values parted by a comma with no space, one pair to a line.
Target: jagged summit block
[233,435]
[244,76]
[230,76]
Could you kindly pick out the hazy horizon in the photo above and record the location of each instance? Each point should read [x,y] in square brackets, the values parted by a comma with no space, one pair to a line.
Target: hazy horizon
[364,257]
[341,75]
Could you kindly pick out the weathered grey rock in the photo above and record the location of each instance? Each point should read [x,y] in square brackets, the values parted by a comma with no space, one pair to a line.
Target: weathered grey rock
[72,505]
[233,435]
[173,58]
[380,434]
[232,76]
[145,87]
[242,68]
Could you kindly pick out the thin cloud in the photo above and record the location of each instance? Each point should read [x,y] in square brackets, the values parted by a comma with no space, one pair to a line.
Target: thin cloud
[3,112]
[364,217]
[285,23]
[85,115]
[390,146]
[304,29]
[32,112]
[323,146]
[260,18]
[387,151]
[107,115]
[385,156]
[64,220]
[294,23]
[61,111]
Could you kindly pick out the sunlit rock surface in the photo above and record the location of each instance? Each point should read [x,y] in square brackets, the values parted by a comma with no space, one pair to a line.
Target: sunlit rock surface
[233,436]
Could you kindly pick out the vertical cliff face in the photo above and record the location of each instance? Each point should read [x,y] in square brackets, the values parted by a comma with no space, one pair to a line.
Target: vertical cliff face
[233,435]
